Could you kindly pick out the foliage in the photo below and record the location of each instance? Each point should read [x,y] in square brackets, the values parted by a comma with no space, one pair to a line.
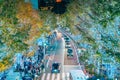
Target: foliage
[18,29]
[105,11]
[49,20]
[90,68]
[6,62]
[32,19]
[30,54]
[87,14]
[84,57]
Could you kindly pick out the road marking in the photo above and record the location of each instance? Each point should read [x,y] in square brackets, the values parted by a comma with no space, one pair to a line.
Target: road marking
[53,76]
[43,76]
[48,62]
[63,54]
[58,76]
[48,76]
[52,55]
[63,76]
[68,76]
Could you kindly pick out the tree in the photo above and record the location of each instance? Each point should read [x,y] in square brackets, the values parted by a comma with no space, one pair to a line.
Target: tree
[96,22]
[17,28]
[105,11]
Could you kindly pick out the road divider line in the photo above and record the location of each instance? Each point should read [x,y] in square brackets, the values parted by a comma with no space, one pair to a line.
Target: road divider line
[48,62]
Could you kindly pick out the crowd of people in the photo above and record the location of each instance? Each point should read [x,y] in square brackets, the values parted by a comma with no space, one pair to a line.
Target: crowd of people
[29,67]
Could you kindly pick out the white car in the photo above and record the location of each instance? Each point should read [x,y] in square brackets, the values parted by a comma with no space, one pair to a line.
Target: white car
[68,46]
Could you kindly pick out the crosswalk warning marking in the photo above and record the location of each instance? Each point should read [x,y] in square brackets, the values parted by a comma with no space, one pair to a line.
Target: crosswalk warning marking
[48,76]
[43,76]
[53,76]
[68,76]
[63,76]
[58,76]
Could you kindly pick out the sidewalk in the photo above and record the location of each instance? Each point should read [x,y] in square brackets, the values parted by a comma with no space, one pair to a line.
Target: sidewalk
[13,75]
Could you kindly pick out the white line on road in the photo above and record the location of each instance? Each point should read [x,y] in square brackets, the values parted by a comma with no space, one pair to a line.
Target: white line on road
[43,76]
[48,62]
[53,76]
[58,76]
[48,76]
[68,76]
[63,76]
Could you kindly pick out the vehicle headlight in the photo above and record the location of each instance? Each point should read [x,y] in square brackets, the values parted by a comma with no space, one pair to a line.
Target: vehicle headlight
[55,70]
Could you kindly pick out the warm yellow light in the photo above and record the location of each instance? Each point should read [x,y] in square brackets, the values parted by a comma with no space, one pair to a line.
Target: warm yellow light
[58,1]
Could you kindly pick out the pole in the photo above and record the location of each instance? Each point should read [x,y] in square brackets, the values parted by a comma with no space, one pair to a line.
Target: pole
[44,50]
[44,45]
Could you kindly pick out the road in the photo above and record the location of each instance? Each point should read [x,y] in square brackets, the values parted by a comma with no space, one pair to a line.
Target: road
[67,64]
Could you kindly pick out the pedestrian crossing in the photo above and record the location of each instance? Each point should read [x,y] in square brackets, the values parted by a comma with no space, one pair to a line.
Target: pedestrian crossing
[55,76]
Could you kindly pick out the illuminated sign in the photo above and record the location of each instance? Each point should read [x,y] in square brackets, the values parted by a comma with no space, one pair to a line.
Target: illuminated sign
[58,1]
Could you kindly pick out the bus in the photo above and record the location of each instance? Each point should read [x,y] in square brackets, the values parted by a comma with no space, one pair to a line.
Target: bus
[77,75]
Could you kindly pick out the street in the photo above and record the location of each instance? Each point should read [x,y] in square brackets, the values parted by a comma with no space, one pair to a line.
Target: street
[66,64]
[41,67]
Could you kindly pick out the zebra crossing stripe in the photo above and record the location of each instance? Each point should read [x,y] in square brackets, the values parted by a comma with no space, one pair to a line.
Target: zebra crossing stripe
[68,76]
[48,76]
[63,76]
[43,76]
[53,76]
[58,76]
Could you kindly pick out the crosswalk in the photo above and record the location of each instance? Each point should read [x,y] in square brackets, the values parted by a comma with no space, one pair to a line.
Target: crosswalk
[55,76]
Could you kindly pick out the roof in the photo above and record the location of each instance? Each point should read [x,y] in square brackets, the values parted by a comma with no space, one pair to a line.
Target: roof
[77,75]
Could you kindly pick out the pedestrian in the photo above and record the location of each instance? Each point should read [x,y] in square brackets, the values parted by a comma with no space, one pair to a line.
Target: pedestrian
[42,66]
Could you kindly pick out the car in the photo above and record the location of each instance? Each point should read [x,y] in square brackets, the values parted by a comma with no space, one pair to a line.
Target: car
[64,36]
[67,39]
[55,67]
[69,52]
[66,29]
[68,45]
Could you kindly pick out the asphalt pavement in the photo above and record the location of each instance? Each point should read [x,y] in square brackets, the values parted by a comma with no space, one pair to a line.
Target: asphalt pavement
[56,54]
[67,64]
